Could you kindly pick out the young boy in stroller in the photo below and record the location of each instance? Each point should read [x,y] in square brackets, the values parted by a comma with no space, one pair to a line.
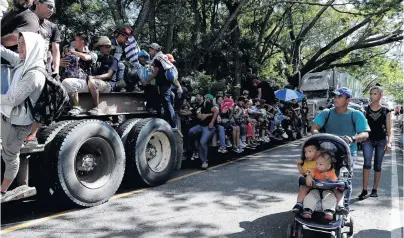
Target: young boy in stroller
[317,212]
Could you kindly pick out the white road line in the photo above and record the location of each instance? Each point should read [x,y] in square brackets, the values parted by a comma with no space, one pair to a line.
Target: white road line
[396,225]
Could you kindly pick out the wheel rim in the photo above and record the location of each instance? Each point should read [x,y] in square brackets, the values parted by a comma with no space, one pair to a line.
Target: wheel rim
[158,151]
[94,163]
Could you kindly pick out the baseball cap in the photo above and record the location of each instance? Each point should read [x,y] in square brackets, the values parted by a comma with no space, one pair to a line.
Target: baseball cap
[155,46]
[49,2]
[343,91]
[171,58]
[209,96]
[125,31]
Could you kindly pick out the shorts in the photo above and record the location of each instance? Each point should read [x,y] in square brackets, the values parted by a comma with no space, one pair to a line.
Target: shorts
[101,85]
[75,85]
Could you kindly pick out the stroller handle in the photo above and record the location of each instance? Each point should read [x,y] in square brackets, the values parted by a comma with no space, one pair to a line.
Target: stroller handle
[322,184]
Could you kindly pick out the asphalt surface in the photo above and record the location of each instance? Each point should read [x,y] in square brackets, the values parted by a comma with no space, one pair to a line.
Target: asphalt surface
[249,197]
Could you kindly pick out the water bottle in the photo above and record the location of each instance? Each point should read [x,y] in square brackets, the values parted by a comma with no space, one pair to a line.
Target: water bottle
[343,173]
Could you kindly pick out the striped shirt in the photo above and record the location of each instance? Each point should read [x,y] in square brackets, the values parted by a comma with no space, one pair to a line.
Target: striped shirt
[129,52]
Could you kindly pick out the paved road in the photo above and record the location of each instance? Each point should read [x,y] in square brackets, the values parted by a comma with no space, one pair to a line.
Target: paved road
[249,197]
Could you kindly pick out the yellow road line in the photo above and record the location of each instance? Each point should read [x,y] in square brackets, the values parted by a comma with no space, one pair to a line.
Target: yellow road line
[44,219]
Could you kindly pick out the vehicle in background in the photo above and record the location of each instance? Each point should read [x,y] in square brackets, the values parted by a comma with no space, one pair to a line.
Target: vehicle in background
[318,88]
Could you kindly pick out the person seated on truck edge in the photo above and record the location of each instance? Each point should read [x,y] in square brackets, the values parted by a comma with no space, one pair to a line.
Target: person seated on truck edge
[126,51]
[206,125]
[16,119]
[144,70]
[76,81]
[105,68]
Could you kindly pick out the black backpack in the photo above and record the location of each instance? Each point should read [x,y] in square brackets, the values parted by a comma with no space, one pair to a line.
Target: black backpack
[52,102]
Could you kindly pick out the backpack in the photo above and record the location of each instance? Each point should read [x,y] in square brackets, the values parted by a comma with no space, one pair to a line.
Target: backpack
[322,129]
[171,74]
[52,101]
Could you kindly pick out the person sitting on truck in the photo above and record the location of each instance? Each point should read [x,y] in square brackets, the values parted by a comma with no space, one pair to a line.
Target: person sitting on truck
[126,51]
[105,68]
[16,118]
[265,91]
[78,64]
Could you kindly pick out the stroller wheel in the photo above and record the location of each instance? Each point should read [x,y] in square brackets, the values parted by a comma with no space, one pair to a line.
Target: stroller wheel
[351,225]
[289,231]
[299,231]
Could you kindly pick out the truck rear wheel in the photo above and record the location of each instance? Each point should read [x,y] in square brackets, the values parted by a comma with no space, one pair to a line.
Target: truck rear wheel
[151,146]
[45,136]
[90,160]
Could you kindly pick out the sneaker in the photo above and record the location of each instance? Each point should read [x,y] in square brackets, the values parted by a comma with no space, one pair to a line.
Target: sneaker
[373,194]
[341,210]
[18,193]
[93,111]
[31,141]
[242,144]
[235,149]
[222,150]
[307,213]
[228,144]
[329,215]
[284,135]
[251,147]
[266,139]
[297,208]
[195,155]
[240,150]
[76,110]
[363,194]
[204,165]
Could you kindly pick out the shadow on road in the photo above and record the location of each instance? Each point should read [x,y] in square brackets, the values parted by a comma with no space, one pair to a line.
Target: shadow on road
[374,233]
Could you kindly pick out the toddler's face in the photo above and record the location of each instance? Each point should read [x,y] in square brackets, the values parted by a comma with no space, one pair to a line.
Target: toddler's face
[310,152]
[322,164]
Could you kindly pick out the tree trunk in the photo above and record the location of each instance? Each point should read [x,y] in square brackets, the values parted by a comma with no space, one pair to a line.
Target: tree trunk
[113,7]
[141,19]
[196,35]
[152,21]
[235,40]
[171,24]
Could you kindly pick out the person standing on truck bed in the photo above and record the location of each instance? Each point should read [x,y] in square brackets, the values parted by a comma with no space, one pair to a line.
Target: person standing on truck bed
[16,118]
[265,91]
[50,32]
[347,123]
[19,19]
[163,84]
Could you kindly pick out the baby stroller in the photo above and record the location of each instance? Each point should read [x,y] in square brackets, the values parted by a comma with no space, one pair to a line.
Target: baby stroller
[342,166]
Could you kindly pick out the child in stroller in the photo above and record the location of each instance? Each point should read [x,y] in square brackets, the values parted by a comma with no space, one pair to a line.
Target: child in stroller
[319,221]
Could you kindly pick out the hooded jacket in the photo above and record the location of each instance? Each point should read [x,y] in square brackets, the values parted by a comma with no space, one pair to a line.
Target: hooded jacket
[26,80]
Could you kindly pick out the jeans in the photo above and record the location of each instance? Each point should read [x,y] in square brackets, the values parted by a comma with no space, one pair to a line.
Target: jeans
[167,102]
[348,192]
[378,147]
[5,78]
[207,133]
[222,135]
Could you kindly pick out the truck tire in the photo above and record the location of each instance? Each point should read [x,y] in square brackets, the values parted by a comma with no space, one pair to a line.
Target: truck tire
[124,129]
[90,162]
[180,149]
[45,136]
[151,146]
